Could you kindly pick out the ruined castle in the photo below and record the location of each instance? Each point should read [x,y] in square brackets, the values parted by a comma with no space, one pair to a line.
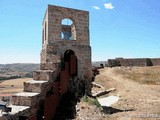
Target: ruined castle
[65,65]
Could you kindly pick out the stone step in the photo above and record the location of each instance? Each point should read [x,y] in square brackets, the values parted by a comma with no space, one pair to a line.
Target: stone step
[25,99]
[15,110]
[46,75]
[36,86]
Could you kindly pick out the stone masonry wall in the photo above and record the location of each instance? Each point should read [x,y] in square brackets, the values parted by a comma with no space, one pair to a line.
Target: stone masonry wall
[79,17]
[134,62]
[155,61]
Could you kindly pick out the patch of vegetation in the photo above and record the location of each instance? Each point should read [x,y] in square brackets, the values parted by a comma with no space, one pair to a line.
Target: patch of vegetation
[91,101]
[85,98]
[11,77]
[28,75]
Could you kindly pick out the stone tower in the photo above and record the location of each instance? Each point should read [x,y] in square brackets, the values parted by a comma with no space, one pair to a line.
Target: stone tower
[59,39]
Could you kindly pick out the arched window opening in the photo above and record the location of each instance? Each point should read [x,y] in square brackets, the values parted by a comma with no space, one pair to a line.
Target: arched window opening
[68,31]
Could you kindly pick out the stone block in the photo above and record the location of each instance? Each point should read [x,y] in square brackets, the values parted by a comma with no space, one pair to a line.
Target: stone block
[18,109]
[25,99]
[48,66]
[44,75]
[51,58]
[36,86]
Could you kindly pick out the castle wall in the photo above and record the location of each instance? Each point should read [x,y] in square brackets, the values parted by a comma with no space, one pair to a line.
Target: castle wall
[134,62]
[155,61]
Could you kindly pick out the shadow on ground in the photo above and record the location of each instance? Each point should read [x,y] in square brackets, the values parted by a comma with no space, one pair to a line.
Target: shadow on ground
[110,110]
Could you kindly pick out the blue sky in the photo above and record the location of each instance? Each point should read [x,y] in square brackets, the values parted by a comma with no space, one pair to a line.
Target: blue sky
[118,28]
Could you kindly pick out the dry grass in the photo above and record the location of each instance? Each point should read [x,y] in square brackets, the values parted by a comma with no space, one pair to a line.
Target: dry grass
[18,81]
[12,86]
[144,75]
[137,87]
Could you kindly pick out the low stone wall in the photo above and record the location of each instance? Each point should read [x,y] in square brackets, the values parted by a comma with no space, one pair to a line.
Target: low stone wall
[134,62]
[155,61]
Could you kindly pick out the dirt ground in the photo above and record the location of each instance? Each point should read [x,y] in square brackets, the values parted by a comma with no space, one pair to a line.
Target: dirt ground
[10,87]
[137,101]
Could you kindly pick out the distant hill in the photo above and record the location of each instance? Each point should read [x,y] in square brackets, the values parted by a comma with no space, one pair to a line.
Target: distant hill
[16,70]
[22,67]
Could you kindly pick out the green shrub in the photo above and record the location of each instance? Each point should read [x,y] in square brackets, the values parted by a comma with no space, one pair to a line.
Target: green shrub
[85,98]
[91,101]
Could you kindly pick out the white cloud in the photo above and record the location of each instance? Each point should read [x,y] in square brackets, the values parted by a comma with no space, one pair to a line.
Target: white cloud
[96,7]
[108,6]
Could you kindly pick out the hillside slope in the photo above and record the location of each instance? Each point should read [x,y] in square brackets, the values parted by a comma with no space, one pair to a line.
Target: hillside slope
[10,71]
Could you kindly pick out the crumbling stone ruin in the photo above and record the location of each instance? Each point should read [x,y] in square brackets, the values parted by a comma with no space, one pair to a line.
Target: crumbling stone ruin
[134,62]
[65,66]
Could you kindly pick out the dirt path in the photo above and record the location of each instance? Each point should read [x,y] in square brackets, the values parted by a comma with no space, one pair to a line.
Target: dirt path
[137,101]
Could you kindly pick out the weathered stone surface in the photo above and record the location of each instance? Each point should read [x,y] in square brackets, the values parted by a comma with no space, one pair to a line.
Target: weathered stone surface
[25,99]
[36,86]
[16,111]
[44,75]
[134,62]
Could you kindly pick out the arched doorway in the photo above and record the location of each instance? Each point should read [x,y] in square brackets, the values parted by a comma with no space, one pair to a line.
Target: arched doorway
[68,101]
[71,59]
